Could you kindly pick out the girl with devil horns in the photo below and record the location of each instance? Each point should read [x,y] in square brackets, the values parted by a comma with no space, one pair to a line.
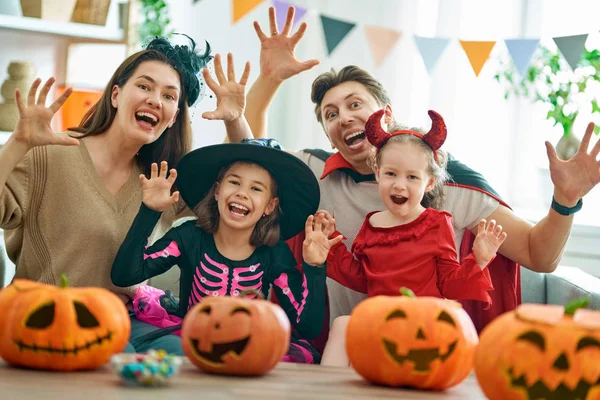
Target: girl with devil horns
[411,243]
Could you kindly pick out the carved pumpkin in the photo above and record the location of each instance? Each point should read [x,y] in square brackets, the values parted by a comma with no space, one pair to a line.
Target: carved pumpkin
[422,342]
[59,328]
[541,352]
[235,336]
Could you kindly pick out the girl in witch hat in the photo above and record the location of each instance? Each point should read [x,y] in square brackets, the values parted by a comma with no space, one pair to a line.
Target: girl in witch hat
[411,243]
[248,198]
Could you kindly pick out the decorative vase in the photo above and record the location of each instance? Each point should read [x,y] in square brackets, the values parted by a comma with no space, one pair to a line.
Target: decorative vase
[20,76]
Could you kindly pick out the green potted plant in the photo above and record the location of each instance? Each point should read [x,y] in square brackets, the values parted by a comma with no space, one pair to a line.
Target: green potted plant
[550,80]
[154,20]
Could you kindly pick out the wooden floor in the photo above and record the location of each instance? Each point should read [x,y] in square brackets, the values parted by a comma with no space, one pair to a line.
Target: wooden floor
[286,381]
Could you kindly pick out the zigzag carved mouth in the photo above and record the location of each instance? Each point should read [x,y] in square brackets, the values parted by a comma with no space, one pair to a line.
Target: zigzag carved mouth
[220,349]
[64,350]
[421,358]
[539,390]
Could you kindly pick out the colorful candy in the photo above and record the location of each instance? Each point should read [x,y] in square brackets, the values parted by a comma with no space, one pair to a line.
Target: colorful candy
[151,369]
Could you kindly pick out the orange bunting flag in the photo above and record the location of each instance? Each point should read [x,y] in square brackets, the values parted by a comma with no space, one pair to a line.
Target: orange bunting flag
[478,53]
[243,7]
[381,40]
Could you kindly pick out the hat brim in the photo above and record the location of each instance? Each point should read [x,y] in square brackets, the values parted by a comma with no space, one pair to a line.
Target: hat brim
[298,188]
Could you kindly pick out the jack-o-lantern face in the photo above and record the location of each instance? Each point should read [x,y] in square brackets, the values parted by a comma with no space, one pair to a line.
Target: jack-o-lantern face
[233,336]
[538,352]
[64,329]
[422,352]
[239,316]
[402,341]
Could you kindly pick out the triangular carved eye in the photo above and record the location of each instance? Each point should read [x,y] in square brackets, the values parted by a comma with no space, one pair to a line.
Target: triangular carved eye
[42,317]
[85,318]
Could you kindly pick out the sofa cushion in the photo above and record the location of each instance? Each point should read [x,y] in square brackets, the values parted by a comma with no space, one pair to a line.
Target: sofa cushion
[568,283]
[533,286]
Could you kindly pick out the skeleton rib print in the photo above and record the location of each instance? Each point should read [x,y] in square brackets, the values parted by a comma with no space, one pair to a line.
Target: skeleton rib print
[203,286]
[212,278]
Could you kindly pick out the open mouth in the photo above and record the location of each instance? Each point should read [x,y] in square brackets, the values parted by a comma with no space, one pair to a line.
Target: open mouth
[355,139]
[421,358]
[220,349]
[399,199]
[238,209]
[146,118]
[539,390]
[63,350]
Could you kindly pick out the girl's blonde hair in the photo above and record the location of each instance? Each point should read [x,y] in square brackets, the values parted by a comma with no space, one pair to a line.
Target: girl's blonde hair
[266,231]
[437,170]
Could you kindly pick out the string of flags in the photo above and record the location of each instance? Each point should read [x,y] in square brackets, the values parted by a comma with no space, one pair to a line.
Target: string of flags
[382,40]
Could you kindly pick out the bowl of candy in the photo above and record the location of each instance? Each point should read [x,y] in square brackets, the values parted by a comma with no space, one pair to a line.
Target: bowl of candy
[155,368]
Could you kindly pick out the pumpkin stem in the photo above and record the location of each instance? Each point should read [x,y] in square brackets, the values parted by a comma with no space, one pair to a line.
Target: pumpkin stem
[63,281]
[248,292]
[576,304]
[404,291]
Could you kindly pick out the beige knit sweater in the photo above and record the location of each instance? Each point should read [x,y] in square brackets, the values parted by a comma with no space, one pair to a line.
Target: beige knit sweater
[60,218]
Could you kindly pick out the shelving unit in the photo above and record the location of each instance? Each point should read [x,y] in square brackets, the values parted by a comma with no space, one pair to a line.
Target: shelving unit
[69,30]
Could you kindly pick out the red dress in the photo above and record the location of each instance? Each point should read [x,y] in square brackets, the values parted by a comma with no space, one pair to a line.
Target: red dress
[420,255]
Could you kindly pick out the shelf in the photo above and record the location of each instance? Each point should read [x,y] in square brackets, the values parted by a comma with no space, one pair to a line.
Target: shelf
[67,29]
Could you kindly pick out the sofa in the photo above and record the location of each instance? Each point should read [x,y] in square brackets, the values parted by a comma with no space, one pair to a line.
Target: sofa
[560,286]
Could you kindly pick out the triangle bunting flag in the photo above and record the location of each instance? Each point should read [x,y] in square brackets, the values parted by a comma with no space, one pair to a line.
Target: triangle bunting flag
[243,7]
[335,30]
[431,49]
[571,47]
[478,53]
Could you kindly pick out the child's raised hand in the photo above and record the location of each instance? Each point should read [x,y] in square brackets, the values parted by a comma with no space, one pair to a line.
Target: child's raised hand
[489,238]
[157,190]
[317,243]
[231,95]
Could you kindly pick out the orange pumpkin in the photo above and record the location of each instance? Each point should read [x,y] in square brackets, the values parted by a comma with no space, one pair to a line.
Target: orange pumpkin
[235,335]
[59,328]
[541,352]
[422,342]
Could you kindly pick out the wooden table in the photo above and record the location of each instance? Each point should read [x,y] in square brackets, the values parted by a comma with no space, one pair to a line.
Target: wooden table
[286,381]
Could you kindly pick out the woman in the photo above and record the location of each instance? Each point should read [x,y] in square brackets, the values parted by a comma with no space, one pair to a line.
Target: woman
[67,200]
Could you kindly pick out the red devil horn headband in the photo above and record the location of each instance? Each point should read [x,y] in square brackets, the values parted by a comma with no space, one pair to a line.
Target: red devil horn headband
[435,138]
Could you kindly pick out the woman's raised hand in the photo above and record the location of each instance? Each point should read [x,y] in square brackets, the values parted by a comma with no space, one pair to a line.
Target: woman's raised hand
[231,95]
[33,128]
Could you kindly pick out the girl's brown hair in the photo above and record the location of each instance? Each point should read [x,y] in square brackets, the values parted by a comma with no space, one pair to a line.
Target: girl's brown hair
[266,231]
[437,170]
